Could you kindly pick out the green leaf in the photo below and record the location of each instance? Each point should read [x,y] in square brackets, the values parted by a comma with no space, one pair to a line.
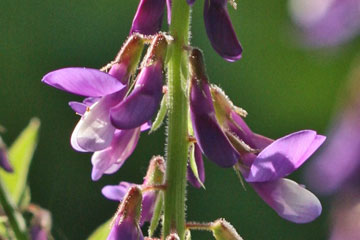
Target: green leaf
[193,165]
[160,115]
[20,155]
[157,214]
[101,232]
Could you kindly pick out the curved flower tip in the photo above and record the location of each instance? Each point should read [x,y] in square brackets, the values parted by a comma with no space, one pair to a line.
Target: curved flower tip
[143,102]
[220,30]
[148,17]
[83,81]
[284,156]
[116,192]
[290,200]
[112,158]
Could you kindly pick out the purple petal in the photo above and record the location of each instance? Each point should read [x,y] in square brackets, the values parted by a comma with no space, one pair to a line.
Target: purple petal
[94,131]
[116,192]
[143,102]
[81,107]
[38,233]
[168,6]
[200,169]
[78,107]
[148,17]
[120,71]
[148,206]
[210,137]
[290,200]
[126,229]
[220,30]
[122,146]
[284,156]
[83,81]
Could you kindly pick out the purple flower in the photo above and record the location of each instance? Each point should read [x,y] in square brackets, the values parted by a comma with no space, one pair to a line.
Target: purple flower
[154,177]
[40,223]
[4,159]
[125,224]
[220,30]
[148,17]
[326,23]
[111,121]
[225,139]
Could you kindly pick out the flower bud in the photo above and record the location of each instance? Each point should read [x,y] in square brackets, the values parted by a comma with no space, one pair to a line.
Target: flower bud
[223,230]
[127,60]
[144,101]
[125,224]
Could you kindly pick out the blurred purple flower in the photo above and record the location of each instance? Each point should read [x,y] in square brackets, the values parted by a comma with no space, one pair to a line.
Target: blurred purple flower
[148,17]
[337,166]
[4,158]
[220,30]
[154,177]
[125,224]
[326,23]
[225,139]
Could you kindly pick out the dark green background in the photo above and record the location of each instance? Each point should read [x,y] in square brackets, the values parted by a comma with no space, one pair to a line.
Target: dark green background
[284,89]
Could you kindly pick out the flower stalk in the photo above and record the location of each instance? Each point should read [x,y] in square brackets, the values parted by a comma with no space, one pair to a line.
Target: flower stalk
[177,139]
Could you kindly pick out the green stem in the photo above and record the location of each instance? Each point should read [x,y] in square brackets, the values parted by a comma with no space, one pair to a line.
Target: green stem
[177,142]
[15,219]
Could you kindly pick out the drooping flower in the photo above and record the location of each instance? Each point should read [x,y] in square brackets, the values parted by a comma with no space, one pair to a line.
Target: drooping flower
[148,17]
[220,30]
[326,23]
[225,139]
[154,177]
[125,224]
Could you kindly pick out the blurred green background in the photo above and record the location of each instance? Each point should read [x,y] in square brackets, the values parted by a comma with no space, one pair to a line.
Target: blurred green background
[283,87]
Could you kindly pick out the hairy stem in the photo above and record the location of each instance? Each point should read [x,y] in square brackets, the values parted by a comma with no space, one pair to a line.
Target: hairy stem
[177,142]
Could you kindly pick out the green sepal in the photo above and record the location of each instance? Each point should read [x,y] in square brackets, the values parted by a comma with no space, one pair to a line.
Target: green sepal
[160,115]
[193,165]
[157,214]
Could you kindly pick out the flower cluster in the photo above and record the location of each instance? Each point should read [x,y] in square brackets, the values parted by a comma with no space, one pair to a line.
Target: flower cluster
[225,139]
[123,97]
